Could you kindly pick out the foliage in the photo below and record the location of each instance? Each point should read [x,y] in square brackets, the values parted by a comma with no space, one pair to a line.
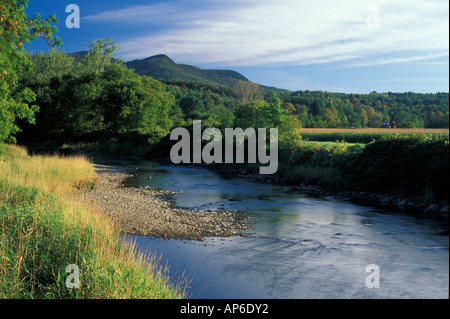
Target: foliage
[15,29]
[260,114]
[54,63]
[289,134]
[98,57]
[414,167]
[404,110]
[98,97]
[408,165]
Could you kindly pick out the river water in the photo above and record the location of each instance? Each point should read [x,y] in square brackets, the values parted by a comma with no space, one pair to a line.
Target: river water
[298,245]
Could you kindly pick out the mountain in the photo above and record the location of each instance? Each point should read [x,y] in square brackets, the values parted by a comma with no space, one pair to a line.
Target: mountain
[161,67]
[78,55]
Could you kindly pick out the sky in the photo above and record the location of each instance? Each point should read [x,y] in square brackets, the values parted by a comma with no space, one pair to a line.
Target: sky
[349,46]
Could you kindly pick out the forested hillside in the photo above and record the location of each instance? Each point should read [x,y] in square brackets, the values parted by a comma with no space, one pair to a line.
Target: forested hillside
[161,67]
[407,110]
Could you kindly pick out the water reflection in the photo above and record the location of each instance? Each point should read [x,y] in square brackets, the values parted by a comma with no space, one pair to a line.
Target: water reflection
[298,246]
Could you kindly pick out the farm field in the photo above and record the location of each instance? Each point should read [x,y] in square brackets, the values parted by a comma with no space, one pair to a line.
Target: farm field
[368,135]
[375,130]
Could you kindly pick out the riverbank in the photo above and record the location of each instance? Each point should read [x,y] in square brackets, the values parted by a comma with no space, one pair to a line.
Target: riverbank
[45,228]
[408,175]
[149,212]
[386,200]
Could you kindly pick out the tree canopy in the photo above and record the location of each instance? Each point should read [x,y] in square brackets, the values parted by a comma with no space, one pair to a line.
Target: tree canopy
[15,30]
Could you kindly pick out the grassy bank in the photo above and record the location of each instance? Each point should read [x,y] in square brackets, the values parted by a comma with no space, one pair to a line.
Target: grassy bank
[414,167]
[44,228]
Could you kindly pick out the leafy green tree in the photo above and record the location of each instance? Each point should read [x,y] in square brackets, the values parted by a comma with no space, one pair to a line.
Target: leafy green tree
[99,56]
[331,117]
[46,65]
[289,136]
[134,103]
[15,30]
[220,117]
[97,100]
[193,107]
[260,113]
[248,91]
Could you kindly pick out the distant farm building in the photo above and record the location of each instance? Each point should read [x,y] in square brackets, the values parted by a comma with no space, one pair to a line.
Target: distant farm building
[388,125]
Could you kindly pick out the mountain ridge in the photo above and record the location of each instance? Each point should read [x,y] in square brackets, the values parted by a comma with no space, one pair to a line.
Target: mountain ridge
[162,68]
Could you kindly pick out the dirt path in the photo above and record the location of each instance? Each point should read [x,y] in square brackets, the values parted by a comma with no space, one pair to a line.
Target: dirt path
[147,212]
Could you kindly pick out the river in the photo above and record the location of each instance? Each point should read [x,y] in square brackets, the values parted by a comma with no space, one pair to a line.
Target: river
[298,245]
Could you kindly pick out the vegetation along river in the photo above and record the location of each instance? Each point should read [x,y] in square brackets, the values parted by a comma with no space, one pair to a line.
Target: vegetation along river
[297,245]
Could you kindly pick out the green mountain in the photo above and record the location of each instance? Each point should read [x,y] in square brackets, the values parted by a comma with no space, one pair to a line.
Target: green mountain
[162,68]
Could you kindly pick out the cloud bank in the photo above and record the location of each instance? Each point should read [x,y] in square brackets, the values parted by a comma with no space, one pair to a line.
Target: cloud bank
[286,32]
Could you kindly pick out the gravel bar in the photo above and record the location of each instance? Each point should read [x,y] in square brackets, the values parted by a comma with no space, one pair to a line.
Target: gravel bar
[148,212]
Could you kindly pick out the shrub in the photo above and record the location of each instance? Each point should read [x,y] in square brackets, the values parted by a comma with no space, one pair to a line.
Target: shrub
[408,165]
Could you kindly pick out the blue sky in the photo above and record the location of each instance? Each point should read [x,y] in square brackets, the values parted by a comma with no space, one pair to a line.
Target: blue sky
[351,46]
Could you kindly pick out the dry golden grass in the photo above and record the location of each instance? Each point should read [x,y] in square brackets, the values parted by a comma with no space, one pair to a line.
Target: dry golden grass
[53,173]
[43,228]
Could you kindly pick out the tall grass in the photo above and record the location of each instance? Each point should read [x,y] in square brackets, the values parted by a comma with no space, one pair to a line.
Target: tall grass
[44,228]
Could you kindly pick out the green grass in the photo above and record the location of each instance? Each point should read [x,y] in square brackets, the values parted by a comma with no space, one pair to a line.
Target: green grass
[44,227]
[330,143]
[365,136]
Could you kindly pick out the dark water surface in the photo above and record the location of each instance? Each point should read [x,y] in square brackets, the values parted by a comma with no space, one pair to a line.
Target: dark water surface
[298,246]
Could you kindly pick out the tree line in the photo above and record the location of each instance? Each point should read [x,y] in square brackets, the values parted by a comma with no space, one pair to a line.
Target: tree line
[59,97]
[95,97]
[98,97]
[338,110]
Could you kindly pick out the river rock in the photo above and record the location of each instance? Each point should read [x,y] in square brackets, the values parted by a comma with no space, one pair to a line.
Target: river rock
[145,211]
[385,199]
[432,208]
[444,210]
[401,202]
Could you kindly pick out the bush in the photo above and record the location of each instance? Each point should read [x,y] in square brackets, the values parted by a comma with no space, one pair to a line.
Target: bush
[409,166]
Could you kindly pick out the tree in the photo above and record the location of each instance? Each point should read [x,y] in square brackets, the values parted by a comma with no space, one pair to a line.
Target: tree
[53,63]
[192,107]
[330,117]
[374,118]
[260,114]
[96,100]
[99,56]
[289,134]
[15,29]
[134,103]
[248,91]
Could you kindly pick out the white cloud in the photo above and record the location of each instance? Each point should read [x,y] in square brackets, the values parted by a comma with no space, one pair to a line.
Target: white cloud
[414,58]
[137,14]
[411,80]
[296,32]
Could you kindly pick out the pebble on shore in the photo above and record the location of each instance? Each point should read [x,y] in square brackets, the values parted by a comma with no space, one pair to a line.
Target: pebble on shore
[145,211]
